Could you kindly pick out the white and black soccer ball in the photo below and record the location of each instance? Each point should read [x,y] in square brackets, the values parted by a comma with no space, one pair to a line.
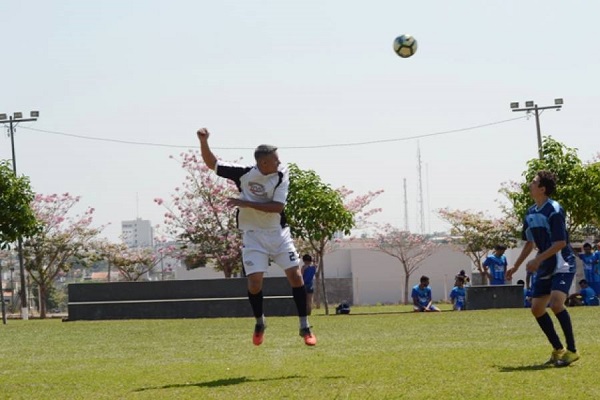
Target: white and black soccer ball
[405,46]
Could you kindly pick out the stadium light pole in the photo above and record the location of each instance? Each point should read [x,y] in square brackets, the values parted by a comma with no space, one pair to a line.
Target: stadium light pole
[531,106]
[12,121]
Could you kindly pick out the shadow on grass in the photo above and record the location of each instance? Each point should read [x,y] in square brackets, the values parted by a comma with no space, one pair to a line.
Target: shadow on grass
[521,368]
[219,382]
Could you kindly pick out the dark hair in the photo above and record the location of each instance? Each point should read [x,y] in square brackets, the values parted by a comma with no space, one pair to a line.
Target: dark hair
[500,247]
[424,278]
[460,278]
[583,281]
[586,244]
[307,257]
[547,181]
[264,150]
[520,282]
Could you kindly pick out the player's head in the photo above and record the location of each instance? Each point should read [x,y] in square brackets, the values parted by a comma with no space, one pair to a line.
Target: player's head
[424,280]
[583,283]
[459,280]
[543,184]
[267,159]
[521,282]
[500,249]
[307,258]
[587,248]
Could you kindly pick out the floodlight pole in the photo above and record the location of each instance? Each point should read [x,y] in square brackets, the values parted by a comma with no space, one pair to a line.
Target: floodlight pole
[536,112]
[23,291]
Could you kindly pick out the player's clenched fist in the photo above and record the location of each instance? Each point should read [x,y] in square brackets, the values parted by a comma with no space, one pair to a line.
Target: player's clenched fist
[202,133]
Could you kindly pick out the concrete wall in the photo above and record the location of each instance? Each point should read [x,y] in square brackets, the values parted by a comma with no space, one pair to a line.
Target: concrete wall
[379,278]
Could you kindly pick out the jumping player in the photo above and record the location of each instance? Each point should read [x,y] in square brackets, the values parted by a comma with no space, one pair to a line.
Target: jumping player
[263,193]
[544,227]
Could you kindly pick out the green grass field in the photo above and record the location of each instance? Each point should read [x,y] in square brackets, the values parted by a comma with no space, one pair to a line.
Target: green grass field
[374,353]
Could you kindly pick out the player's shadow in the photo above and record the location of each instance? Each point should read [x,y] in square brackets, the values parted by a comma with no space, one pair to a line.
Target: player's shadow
[521,368]
[219,382]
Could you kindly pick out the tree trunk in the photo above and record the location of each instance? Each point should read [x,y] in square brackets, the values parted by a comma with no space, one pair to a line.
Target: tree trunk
[323,286]
[406,279]
[42,300]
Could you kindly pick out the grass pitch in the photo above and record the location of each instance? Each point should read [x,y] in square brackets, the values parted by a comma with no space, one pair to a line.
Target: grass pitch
[373,353]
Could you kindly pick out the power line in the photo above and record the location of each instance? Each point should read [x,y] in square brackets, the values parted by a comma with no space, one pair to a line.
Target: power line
[321,146]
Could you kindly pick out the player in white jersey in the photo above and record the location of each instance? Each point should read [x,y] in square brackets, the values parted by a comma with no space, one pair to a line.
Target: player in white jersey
[263,193]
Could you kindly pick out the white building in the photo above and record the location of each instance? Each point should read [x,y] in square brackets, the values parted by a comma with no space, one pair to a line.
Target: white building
[137,233]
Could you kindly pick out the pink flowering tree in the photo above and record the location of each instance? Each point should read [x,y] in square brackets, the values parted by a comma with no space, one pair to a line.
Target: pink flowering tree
[477,234]
[63,241]
[316,212]
[199,219]
[408,248]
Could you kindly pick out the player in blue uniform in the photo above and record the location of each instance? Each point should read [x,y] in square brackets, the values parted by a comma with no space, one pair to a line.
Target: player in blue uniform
[585,297]
[495,266]
[458,294]
[544,227]
[591,266]
[421,295]
[309,270]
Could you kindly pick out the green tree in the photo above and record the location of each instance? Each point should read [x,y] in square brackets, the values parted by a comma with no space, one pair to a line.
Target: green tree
[315,212]
[578,186]
[17,218]
[476,234]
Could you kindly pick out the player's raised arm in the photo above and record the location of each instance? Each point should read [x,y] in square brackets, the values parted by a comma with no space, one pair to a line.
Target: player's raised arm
[207,155]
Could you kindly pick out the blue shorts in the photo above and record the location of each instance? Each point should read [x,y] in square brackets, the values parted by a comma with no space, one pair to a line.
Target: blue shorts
[561,282]
[310,289]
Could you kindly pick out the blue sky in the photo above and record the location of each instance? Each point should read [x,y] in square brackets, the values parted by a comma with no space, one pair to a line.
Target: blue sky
[295,74]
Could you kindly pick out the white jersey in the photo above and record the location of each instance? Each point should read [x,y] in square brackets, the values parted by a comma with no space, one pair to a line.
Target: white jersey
[259,188]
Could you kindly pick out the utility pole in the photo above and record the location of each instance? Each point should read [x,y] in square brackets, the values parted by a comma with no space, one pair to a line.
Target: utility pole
[421,207]
[531,106]
[12,121]
[405,208]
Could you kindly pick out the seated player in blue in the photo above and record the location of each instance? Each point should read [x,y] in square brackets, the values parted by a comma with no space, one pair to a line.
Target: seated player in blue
[591,263]
[585,297]
[421,295]
[495,266]
[458,294]
[544,228]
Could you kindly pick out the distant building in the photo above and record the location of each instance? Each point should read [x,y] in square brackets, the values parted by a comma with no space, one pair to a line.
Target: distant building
[137,233]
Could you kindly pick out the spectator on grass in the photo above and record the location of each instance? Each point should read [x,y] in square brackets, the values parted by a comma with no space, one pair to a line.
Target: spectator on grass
[585,297]
[458,294]
[421,295]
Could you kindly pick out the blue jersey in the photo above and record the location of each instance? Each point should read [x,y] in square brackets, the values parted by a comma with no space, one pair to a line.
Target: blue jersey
[458,295]
[423,295]
[309,275]
[590,266]
[544,226]
[497,266]
[589,296]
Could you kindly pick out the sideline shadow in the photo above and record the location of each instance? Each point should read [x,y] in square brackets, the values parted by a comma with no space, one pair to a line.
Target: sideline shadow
[521,368]
[219,382]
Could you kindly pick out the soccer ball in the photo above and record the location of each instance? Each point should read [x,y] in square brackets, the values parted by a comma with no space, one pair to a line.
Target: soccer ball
[405,46]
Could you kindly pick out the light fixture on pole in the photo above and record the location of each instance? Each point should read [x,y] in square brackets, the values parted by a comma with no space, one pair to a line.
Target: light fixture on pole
[531,106]
[13,121]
